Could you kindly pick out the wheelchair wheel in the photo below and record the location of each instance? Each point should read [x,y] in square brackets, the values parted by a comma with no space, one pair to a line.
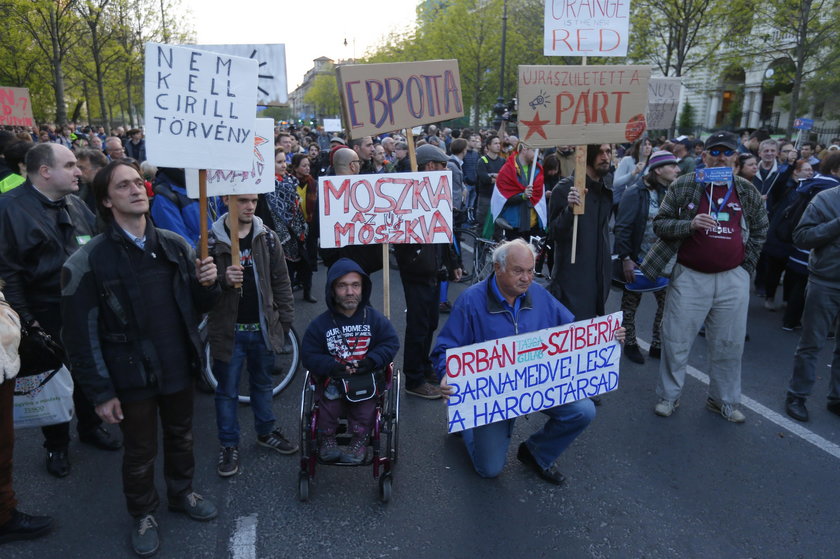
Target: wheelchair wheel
[385,486]
[286,365]
[303,487]
[392,416]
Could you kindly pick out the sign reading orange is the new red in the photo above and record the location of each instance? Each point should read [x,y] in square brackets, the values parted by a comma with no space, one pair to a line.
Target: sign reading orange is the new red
[574,105]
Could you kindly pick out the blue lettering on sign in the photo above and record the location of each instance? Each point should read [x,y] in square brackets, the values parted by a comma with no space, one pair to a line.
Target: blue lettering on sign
[803,123]
[714,174]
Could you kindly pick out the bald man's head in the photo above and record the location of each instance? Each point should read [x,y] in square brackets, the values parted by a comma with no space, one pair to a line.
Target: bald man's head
[342,160]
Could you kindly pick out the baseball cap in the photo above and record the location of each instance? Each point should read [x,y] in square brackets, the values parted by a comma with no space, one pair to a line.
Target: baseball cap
[722,138]
[337,139]
[428,152]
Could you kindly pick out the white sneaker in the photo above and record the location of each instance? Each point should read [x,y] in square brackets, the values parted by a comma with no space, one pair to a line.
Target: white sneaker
[666,407]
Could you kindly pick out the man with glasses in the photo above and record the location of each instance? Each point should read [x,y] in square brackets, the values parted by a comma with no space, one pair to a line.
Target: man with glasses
[114,148]
[715,230]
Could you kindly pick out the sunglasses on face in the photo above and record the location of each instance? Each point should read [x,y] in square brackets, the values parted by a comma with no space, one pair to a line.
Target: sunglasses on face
[715,152]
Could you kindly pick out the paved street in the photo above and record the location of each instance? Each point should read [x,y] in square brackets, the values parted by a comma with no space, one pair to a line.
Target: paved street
[692,485]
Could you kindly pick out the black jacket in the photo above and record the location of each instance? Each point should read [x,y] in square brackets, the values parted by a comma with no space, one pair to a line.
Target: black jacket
[631,220]
[102,305]
[36,237]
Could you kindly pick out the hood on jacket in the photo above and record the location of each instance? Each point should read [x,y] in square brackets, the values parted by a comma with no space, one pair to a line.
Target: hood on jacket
[818,182]
[342,267]
[172,176]
[219,232]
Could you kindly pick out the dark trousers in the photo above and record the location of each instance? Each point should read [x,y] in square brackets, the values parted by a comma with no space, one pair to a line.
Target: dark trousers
[421,321]
[360,415]
[773,268]
[57,437]
[140,441]
[795,288]
[7,446]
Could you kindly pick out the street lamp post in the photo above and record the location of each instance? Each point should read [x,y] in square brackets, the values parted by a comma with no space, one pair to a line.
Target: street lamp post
[499,107]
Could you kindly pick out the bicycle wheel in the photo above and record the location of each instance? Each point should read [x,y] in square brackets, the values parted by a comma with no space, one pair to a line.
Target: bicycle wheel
[465,244]
[484,260]
[286,365]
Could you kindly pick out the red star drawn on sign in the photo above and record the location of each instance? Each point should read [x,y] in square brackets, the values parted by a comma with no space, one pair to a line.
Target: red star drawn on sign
[535,126]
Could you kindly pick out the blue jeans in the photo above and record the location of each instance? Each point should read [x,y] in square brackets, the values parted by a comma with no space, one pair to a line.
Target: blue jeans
[488,445]
[250,346]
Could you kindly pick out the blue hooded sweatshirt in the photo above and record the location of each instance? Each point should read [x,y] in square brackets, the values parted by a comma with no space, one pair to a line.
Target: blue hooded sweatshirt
[334,338]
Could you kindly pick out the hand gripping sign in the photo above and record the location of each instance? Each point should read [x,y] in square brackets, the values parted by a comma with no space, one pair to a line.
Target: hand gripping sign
[505,378]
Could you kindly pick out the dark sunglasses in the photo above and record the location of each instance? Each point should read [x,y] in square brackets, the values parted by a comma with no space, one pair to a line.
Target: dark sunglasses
[715,152]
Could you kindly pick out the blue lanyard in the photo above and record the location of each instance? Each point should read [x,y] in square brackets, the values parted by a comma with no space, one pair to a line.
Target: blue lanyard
[716,209]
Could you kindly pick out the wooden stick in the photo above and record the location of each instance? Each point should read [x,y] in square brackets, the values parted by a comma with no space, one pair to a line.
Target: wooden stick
[202,218]
[580,186]
[386,280]
[233,226]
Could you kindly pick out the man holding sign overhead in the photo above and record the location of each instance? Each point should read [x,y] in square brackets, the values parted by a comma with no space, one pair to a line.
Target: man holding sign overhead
[714,223]
[508,303]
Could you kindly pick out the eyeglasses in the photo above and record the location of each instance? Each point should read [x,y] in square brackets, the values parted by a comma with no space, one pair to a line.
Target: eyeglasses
[715,152]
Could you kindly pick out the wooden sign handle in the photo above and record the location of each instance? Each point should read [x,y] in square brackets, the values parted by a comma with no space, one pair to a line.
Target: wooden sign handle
[202,218]
[233,226]
[580,186]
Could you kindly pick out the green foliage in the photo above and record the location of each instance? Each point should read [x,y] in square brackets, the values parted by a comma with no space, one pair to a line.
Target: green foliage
[685,122]
[279,114]
[324,95]
[71,53]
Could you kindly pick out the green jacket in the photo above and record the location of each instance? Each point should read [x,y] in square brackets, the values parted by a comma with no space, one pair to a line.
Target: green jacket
[673,222]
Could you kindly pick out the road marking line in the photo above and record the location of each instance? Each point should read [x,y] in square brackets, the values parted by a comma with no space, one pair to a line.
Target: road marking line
[243,542]
[772,416]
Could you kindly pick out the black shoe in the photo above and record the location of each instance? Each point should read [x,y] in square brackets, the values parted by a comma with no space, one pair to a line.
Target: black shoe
[22,526]
[551,475]
[795,407]
[309,298]
[101,438]
[634,354]
[655,352]
[58,463]
[833,407]
[596,400]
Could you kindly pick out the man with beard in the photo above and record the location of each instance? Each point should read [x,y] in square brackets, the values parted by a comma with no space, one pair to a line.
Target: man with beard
[583,287]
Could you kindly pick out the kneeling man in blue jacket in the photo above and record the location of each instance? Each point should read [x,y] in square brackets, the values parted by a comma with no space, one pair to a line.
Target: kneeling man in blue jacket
[505,304]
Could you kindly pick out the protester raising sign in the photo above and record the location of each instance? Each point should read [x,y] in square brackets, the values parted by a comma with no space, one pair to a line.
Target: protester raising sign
[382,97]
[200,108]
[586,27]
[256,178]
[505,378]
[15,107]
[399,208]
[582,104]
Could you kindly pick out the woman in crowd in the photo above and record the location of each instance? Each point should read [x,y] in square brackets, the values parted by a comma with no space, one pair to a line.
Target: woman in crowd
[746,166]
[630,168]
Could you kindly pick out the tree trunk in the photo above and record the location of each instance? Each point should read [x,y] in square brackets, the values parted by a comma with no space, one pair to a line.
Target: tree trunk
[131,108]
[58,79]
[799,64]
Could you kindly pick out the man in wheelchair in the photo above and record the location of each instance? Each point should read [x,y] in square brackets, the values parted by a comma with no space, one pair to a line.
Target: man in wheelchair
[345,349]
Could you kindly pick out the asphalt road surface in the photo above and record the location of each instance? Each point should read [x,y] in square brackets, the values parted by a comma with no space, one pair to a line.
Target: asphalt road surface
[638,485]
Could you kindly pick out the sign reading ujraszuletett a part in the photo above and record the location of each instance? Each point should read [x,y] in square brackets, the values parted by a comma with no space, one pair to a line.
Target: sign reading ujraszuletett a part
[505,378]
[200,108]
[379,98]
[574,105]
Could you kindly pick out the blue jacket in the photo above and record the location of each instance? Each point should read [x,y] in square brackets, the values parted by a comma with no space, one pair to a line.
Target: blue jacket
[478,315]
[333,338]
[181,215]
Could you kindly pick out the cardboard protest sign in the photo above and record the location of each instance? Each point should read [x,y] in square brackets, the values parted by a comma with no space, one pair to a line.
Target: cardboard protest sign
[15,107]
[505,378]
[586,27]
[272,87]
[200,108]
[663,99]
[399,208]
[379,98]
[256,178]
[576,105]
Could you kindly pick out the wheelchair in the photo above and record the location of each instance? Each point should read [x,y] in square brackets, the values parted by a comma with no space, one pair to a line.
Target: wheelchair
[382,444]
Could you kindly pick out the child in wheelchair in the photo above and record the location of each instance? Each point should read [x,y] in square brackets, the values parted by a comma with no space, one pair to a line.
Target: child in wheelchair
[346,349]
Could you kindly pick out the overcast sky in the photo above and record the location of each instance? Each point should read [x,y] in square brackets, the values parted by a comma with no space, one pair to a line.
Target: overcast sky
[308,28]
